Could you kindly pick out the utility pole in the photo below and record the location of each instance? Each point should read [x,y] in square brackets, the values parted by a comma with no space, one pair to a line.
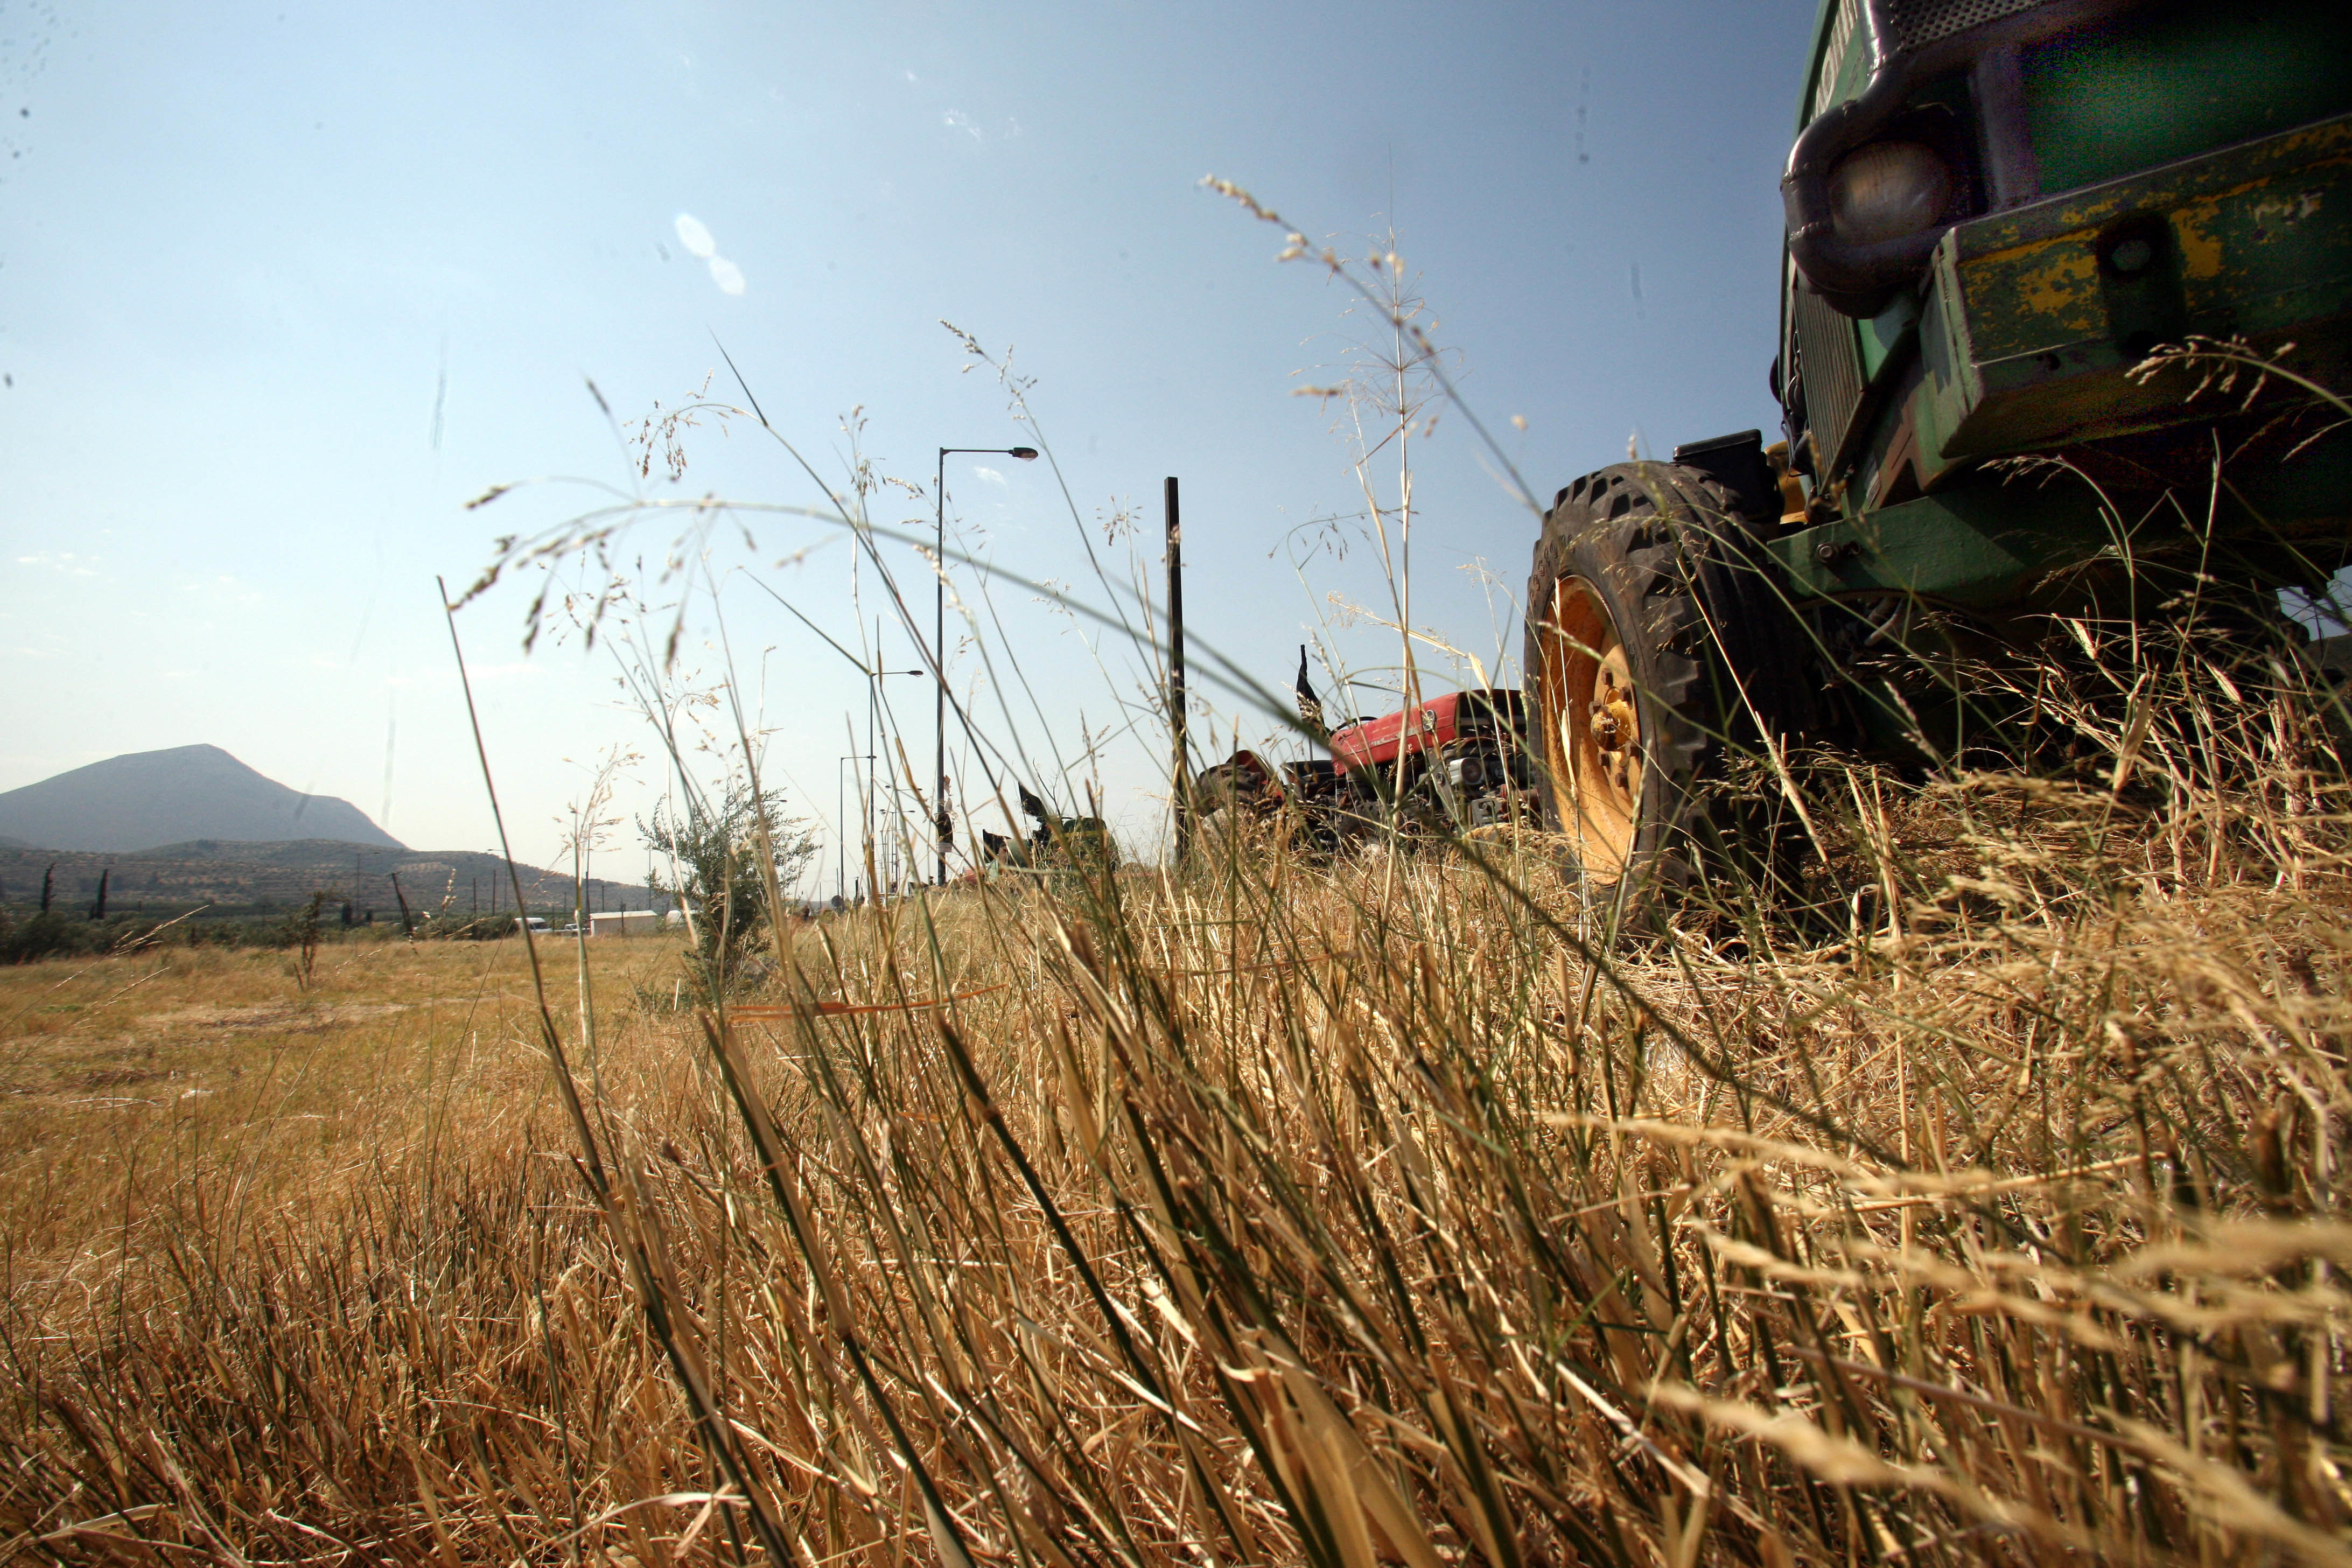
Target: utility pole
[1182,774]
[872,711]
[841,831]
[887,852]
[945,825]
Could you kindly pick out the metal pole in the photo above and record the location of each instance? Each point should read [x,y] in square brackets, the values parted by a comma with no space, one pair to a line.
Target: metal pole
[943,823]
[840,838]
[940,667]
[1182,774]
[872,714]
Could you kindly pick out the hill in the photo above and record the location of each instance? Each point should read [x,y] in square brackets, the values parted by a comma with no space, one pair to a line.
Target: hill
[144,799]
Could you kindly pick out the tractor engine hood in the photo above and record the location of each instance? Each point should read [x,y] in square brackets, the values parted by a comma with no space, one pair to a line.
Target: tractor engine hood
[1432,726]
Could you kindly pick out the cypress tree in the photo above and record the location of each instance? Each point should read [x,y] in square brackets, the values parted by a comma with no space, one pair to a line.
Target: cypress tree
[49,882]
[98,911]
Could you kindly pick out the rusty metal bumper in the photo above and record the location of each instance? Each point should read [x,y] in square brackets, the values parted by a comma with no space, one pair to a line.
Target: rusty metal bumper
[2035,316]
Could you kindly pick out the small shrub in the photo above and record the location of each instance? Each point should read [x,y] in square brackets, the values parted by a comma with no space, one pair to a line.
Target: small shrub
[715,852]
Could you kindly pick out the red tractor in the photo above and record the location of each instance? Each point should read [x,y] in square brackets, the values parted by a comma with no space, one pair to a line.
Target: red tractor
[1456,760]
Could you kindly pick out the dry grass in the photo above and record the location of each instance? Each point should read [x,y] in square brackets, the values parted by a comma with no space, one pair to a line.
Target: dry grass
[1990,1206]
[1356,1215]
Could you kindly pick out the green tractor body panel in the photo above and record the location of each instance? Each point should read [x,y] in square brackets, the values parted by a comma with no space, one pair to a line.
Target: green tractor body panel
[2167,83]
[2121,177]
[1974,548]
[2024,545]
[2030,328]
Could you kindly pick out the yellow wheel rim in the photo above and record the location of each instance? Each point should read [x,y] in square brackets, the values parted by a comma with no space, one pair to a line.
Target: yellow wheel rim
[1593,730]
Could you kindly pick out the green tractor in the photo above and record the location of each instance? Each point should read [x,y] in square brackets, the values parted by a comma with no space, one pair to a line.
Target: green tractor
[2036,253]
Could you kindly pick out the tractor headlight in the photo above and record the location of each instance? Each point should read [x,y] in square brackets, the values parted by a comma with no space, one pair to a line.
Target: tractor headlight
[1887,190]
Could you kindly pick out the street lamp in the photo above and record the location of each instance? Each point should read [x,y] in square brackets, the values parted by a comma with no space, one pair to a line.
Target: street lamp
[841,829]
[874,678]
[939,634]
[841,808]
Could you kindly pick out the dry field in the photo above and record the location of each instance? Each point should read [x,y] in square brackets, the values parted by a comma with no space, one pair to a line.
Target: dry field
[131,1087]
[1373,1214]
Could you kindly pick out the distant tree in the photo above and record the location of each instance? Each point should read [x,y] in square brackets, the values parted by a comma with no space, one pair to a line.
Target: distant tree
[718,880]
[301,932]
[48,883]
[97,911]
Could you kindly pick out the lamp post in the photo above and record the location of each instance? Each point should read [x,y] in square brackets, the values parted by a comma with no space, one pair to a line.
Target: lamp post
[874,678]
[939,635]
[841,831]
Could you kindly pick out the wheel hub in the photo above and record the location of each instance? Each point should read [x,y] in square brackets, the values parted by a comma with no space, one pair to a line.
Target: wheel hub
[1593,741]
[1616,726]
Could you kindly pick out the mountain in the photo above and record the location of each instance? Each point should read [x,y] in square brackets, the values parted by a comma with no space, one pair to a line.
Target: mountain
[149,798]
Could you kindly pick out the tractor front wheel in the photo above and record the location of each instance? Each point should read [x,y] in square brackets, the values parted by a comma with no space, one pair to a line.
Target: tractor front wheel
[1656,648]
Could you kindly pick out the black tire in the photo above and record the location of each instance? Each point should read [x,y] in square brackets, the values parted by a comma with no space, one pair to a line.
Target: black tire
[1647,583]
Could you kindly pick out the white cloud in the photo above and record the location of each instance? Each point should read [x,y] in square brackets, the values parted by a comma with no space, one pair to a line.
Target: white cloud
[696,238]
[727,275]
[991,475]
[957,119]
[64,561]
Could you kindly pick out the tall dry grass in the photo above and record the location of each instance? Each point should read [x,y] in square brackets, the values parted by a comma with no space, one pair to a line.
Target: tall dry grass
[1351,1213]
[1980,1202]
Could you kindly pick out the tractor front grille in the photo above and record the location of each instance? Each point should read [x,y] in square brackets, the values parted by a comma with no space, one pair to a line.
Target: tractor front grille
[1829,364]
[1915,24]
[1834,56]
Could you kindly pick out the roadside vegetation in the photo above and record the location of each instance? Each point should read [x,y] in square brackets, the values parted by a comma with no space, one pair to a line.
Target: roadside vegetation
[31,935]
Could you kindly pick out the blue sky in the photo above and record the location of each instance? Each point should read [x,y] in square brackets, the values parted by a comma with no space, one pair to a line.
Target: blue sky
[283,286]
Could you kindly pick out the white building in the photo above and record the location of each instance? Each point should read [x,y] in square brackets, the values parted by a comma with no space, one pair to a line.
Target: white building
[624,922]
